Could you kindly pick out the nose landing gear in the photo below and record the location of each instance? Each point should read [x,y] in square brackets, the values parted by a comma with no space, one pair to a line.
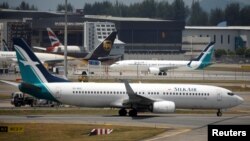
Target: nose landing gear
[219,113]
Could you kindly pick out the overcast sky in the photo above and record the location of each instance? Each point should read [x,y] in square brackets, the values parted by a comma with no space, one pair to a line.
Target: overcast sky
[50,5]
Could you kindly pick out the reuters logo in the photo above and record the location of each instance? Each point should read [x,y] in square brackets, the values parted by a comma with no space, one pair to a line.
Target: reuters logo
[107,45]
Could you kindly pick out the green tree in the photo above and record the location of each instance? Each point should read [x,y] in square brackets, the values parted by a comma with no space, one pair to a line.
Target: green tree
[164,10]
[148,8]
[4,5]
[216,16]
[245,16]
[197,15]
[240,51]
[25,6]
[219,52]
[230,53]
[61,7]
[232,14]
[247,53]
[180,10]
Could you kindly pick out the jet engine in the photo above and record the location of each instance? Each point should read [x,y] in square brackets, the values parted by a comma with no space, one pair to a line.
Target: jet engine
[163,107]
[154,70]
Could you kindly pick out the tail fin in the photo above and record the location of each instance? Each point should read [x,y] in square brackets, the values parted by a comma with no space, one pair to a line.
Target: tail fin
[5,46]
[103,49]
[53,39]
[205,56]
[32,70]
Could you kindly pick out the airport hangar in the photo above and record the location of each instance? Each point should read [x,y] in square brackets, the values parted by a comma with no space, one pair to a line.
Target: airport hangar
[141,35]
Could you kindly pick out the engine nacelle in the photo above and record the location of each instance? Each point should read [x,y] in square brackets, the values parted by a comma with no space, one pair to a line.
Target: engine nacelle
[154,70]
[163,107]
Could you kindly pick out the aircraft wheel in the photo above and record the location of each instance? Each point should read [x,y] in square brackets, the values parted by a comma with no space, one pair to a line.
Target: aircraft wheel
[133,113]
[219,113]
[123,112]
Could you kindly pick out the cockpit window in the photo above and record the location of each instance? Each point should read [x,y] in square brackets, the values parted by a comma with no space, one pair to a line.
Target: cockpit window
[231,94]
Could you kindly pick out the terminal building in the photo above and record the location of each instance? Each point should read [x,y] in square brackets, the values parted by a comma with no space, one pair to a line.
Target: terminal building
[228,37]
[136,35]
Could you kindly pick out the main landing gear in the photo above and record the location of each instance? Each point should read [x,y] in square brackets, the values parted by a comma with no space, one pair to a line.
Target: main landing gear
[219,113]
[132,112]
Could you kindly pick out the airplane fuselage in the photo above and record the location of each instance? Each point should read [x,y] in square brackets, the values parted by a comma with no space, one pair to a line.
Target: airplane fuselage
[11,56]
[145,65]
[114,94]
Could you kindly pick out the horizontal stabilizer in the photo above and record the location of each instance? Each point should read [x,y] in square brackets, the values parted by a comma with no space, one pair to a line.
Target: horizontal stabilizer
[10,83]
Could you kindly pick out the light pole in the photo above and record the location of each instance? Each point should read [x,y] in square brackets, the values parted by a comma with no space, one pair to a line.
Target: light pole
[65,41]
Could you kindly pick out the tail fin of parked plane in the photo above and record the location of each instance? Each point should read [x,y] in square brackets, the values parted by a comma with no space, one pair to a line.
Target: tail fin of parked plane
[103,50]
[205,56]
[55,42]
[31,68]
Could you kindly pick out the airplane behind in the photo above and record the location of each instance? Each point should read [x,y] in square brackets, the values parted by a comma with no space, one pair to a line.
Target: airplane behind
[101,52]
[162,66]
[57,46]
[138,97]
[10,56]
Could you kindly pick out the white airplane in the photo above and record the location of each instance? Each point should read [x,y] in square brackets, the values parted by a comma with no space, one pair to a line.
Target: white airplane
[57,46]
[10,56]
[101,52]
[162,66]
[157,98]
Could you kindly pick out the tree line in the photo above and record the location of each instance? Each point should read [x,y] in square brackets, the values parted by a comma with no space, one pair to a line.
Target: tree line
[233,14]
[194,16]
[22,6]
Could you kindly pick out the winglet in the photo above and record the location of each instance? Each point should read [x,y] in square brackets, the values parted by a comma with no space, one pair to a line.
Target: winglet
[129,90]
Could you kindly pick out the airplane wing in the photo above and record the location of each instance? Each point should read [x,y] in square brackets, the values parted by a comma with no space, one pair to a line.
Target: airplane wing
[10,83]
[134,98]
[40,48]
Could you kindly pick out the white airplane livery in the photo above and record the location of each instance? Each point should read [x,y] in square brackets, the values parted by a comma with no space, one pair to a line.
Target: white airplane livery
[137,97]
[44,57]
[162,66]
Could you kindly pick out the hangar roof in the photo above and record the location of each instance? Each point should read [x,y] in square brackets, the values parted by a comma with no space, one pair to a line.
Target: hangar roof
[218,28]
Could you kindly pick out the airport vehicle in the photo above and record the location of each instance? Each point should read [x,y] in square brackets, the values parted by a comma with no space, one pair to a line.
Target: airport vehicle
[57,46]
[157,98]
[19,99]
[162,66]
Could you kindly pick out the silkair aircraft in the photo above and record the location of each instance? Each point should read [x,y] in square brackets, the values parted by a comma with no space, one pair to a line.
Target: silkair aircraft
[162,66]
[157,98]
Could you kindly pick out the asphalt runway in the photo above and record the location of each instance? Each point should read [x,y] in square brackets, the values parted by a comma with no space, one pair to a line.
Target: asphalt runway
[184,126]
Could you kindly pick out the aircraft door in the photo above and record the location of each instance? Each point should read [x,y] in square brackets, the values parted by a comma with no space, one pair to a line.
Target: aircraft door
[58,93]
[219,97]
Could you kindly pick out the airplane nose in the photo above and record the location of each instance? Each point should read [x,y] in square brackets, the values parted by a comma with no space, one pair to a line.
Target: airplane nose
[240,99]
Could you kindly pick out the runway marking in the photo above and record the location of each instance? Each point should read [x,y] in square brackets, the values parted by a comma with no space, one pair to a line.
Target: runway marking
[168,134]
